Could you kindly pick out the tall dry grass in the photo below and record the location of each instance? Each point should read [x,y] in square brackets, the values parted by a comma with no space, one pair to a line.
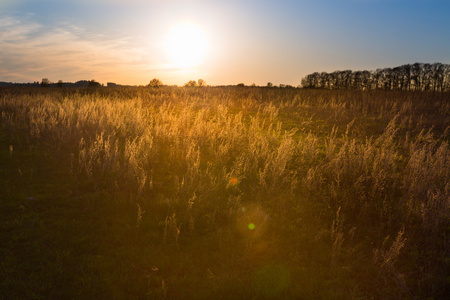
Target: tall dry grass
[361,176]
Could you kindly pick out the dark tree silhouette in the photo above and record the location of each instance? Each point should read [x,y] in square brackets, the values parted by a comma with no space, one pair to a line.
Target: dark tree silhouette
[191,83]
[155,82]
[45,82]
[93,84]
[415,77]
[201,82]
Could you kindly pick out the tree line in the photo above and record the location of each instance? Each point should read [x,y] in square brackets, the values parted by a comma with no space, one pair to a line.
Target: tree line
[410,77]
[156,83]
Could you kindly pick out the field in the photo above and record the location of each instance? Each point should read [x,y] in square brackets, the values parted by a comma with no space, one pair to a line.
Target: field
[224,193]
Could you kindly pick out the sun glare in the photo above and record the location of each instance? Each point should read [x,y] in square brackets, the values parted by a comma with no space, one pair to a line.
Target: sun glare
[186,45]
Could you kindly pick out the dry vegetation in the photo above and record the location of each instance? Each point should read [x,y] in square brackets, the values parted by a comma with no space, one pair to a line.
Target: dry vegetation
[238,192]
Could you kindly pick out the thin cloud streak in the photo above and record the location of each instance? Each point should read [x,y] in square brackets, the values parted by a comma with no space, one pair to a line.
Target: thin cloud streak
[36,51]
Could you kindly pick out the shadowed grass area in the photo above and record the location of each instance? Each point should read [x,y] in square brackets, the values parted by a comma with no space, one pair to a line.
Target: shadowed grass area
[46,234]
[205,193]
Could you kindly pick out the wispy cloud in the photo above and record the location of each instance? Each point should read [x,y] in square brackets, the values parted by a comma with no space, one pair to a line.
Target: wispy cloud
[30,51]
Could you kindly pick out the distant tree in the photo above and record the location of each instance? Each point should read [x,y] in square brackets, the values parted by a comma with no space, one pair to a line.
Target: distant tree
[253,85]
[418,76]
[240,85]
[191,83]
[155,82]
[59,84]
[438,76]
[93,84]
[45,82]
[201,82]
[308,81]
[270,84]
[346,79]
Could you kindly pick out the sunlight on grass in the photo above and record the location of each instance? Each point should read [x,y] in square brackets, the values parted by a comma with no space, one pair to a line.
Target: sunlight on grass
[340,192]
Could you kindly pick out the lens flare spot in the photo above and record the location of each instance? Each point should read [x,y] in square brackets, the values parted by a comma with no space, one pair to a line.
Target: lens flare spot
[233,181]
[252,222]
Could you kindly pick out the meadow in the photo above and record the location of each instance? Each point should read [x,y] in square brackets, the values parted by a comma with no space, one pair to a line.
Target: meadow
[224,193]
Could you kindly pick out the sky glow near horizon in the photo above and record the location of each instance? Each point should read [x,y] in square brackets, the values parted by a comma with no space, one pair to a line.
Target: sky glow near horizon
[245,41]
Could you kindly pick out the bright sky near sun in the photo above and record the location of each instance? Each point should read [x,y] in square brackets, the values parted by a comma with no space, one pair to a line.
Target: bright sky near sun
[222,42]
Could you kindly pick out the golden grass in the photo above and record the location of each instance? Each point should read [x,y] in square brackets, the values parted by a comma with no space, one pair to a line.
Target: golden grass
[363,176]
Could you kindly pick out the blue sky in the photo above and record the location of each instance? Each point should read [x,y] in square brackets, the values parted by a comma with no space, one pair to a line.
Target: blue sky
[123,41]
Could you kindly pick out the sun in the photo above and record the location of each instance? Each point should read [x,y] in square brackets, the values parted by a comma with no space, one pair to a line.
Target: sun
[186,45]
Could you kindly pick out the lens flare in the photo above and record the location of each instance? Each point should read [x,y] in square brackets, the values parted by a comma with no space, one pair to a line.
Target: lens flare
[251,222]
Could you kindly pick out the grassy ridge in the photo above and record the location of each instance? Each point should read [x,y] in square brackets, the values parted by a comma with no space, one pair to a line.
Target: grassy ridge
[231,192]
